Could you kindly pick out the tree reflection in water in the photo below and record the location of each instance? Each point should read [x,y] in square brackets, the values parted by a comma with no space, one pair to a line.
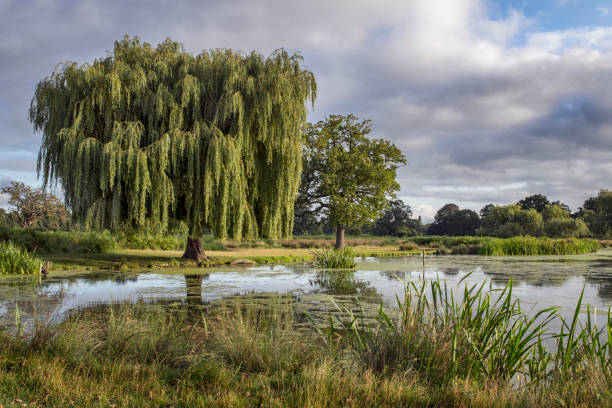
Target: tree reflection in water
[193,285]
[342,282]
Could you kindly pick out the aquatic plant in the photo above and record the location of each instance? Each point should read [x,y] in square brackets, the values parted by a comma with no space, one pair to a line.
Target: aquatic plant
[15,259]
[520,245]
[477,334]
[335,258]
[538,246]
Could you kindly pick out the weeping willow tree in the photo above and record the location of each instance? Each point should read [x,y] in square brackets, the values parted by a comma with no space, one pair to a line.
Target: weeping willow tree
[150,133]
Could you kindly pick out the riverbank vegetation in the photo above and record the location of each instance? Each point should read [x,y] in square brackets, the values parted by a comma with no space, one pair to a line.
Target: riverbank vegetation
[104,250]
[335,258]
[15,259]
[478,349]
[537,246]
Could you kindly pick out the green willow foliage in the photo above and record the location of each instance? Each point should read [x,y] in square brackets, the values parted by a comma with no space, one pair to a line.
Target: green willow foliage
[152,133]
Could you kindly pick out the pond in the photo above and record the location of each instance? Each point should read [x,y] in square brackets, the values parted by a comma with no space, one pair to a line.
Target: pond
[538,281]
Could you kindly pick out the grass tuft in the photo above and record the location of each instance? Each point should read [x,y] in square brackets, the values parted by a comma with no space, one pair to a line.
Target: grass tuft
[15,259]
[335,259]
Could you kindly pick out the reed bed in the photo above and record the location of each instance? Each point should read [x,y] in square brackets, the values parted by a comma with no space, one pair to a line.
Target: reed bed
[519,246]
[538,246]
[335,259]
[480,335]
[15,259]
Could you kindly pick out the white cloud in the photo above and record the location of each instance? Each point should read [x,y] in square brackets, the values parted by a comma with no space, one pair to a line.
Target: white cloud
[486,110]
[426,212]
[603,11]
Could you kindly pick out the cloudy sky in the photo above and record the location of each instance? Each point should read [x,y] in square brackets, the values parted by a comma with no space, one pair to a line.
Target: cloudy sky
[489,100]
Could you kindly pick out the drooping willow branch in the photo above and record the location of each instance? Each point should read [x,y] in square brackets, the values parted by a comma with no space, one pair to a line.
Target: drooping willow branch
[151,133]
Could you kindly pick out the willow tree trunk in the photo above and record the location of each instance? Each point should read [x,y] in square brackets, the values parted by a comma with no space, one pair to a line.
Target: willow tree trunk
[340,237]
[194,250]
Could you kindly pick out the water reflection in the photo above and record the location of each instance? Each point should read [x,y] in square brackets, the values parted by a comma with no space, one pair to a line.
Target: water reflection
[193,286]
[539,282]
[342,282]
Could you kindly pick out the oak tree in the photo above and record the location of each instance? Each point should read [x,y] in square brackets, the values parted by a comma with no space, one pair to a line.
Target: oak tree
[348,176]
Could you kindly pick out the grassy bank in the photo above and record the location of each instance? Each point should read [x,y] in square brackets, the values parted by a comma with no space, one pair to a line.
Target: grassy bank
[475,350]
[102,250]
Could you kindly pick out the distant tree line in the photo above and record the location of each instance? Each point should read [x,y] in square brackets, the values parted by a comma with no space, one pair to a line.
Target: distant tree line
[534,215]
[395,220]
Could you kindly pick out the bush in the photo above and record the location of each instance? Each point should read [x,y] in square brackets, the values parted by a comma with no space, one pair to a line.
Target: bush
[335,259]
[408,246]
[59,241]
[15,259]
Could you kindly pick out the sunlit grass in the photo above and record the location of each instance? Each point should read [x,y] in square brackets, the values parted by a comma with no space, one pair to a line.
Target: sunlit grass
[335,259]
[15,259]
[538,246]
[473,349]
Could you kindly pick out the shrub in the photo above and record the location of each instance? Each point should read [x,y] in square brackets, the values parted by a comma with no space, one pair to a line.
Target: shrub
[59,241]
[15,259]
[408,246]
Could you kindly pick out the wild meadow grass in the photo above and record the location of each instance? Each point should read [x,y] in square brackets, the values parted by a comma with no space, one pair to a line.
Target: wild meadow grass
[472,348]
[15,259]
[334,258]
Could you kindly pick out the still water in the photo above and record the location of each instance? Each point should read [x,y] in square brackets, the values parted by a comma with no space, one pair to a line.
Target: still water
[538,281]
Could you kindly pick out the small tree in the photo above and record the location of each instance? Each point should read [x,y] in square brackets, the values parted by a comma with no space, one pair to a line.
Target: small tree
[438,227]
[450,220]
[510,220]
[34,208]
[484,211]
[536,201]
[597,213]
[463,222]
[347,176]
[396,220]
[27,203]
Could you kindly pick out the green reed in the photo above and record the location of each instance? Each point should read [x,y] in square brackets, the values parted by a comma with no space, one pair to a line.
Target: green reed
[335,259]
[537,246]
[476,333]
[17,260]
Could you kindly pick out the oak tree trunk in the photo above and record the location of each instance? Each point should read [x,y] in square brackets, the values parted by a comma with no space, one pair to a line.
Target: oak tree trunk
[194,250]
[340,237]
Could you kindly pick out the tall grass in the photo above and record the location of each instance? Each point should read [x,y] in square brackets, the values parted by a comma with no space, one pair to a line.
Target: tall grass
[505,246]
[335,259]
[17,260]
[478,335]
[538,246]
[435,353]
